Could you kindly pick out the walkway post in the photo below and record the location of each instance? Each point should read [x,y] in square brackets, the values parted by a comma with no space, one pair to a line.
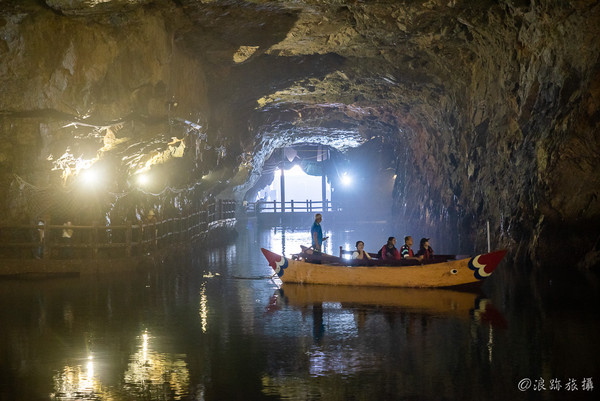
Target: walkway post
[44,242]
[95,239]
[128,231]
[282,182]
[324,190]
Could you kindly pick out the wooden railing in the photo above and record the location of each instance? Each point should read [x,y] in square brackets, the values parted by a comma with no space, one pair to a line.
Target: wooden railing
[97,241]
[292,206]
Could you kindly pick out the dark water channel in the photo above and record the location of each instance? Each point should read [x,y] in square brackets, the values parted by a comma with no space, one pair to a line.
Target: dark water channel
[212,326]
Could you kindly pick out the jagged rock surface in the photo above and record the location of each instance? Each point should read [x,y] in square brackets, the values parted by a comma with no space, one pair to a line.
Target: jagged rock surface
[492,108]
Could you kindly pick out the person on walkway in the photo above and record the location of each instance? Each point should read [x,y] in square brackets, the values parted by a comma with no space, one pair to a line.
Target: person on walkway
[360,252]
[38,252]
[151,220]
[316,233]
[389,251]
[425,251]
[406,250]
[67,235]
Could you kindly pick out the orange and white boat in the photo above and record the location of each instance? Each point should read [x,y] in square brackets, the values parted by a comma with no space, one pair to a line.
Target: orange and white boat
[307,268]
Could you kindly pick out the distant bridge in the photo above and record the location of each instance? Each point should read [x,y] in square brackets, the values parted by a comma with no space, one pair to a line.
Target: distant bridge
[307,206]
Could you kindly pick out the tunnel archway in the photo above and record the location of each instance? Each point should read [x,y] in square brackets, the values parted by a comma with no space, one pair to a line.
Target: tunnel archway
[348,178]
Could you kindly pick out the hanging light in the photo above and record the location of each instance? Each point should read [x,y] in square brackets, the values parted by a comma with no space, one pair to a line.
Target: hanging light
[346,179]
[90,177]
[143,179]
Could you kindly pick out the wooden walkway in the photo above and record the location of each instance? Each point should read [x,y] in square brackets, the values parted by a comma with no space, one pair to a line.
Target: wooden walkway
[96,248]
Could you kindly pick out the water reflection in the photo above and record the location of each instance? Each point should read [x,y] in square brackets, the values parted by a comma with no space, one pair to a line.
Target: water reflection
[203,308]
[151,373]
[348,309]
[357,332]
[77,381]
[415,300]
[212,326]
[285,241]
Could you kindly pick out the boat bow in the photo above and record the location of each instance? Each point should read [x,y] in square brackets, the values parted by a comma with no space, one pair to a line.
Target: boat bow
[278,262]
[483,265]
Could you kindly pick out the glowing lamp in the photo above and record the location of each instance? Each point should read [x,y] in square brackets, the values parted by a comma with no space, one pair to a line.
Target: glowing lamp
[143,179]
[90,177]
[346,179]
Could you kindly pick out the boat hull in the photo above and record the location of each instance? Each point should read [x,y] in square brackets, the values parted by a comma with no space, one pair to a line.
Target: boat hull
[453,273]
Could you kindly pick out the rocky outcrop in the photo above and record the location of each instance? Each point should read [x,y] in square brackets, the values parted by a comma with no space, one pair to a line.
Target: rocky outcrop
[491,108]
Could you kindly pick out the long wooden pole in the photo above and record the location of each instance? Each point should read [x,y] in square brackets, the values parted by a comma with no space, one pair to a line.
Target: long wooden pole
[488,236]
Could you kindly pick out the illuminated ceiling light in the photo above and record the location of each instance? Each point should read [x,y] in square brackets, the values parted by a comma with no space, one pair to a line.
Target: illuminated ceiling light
[346,179]
[90,177]
[143,179]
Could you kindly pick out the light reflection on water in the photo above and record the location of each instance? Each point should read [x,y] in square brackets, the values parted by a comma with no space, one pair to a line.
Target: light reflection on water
[212,326]
[77,382]
[203,308]
[150,370]
[149,375]
[287,241]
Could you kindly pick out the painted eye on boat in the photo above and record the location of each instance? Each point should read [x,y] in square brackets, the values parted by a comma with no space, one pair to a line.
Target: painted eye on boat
[453,271]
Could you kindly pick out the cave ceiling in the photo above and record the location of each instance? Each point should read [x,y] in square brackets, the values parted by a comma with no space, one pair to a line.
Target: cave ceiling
[310,67]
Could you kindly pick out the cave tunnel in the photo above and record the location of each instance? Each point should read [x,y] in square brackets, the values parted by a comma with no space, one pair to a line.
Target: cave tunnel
[473,112]
[321,173]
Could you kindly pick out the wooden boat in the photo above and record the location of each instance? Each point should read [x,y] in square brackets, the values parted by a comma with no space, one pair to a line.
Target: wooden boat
[307,268]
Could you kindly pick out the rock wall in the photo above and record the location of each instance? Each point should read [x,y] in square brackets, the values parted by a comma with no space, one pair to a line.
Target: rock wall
[104,88]
[514,143]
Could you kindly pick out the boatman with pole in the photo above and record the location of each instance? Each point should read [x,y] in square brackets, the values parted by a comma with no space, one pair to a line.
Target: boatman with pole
[316,233]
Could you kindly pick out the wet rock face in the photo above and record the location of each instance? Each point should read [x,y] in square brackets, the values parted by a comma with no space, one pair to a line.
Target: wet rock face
[491,108]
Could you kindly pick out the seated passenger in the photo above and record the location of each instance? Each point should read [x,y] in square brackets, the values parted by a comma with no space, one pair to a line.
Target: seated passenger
[425,251]
[389,251]
[406,250]
[360,251]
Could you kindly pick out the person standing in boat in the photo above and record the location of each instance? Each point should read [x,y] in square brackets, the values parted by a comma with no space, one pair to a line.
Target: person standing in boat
[389,251]
[425,251]
[360,252]
[406,250]
[316,233]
